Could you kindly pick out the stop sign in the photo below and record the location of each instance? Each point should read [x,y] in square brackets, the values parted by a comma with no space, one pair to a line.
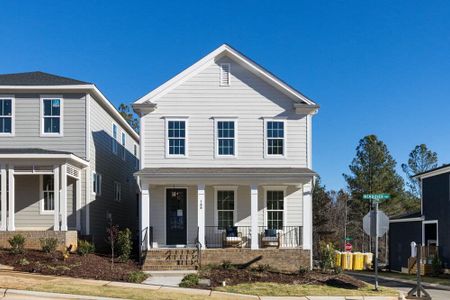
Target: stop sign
[348,247]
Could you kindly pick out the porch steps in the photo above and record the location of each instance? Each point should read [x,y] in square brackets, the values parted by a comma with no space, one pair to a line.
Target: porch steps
[171,259]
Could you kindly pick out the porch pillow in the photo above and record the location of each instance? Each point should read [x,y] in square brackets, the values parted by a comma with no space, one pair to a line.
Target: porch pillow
[232,231]
[270,232]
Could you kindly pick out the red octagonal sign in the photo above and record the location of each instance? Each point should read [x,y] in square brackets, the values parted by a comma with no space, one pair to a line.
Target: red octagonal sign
[348,247]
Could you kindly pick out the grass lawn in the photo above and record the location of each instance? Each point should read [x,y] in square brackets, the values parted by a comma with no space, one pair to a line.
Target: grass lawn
[277,289]
[443,279]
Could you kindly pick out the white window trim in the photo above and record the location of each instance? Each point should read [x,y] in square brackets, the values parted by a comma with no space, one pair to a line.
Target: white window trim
[221,74]
[437,231]
[13,116]
[266,144]
[98,193]
[275,188]
[119,185]
[123,142]
[216,211]
[186,137]
[41,196]
[61,116]
[114,140]
[216,136]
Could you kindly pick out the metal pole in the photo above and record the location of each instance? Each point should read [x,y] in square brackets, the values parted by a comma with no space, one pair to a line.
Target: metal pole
[376,245]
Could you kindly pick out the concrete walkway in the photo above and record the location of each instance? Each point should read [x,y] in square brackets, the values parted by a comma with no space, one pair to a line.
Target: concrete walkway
[167,278]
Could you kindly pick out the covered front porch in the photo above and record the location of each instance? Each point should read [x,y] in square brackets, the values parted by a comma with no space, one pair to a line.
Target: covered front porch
[40,191]
[226,208]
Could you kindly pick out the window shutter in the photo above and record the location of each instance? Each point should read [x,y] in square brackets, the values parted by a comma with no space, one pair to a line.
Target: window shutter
[224,74]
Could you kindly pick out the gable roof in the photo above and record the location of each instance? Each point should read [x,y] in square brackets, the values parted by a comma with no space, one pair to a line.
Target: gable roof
[433,172]
[226,50]
[37,78]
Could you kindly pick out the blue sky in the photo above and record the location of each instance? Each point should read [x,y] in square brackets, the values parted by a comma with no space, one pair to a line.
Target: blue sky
[380,67]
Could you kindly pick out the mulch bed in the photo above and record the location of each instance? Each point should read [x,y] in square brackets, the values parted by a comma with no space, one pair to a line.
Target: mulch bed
[237,276]
[92,266]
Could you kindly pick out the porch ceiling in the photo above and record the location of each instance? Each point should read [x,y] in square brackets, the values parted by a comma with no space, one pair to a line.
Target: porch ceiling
[226,175]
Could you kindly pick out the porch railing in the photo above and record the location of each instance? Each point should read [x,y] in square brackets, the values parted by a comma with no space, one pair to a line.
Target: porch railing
[285,237]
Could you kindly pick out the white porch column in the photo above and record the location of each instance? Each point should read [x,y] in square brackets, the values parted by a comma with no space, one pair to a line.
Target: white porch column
[145,218]
[63,197]
[56,197]
[254,215]
[11,190]
[307,216]
[3,194]
[201,214]
[78,203]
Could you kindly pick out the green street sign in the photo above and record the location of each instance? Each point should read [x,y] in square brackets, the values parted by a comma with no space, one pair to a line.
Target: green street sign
[348,238]
[376,196]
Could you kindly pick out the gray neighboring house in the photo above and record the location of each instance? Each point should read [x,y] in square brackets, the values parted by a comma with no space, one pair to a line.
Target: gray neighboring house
[67,159]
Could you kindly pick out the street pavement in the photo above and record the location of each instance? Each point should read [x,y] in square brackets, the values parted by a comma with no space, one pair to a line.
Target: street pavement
[435,292]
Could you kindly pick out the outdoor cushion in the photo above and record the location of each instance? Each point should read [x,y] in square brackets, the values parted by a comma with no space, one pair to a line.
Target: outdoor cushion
[233,239]
[270,232]
[270,239]
[232,231]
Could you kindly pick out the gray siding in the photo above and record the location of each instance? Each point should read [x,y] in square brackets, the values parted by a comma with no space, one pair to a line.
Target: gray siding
[28,128]
[112,168]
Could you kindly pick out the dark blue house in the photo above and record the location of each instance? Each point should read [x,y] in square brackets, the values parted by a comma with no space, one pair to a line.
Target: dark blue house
[429,227]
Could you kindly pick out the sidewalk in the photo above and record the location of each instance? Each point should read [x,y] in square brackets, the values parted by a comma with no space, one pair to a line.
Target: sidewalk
[18,285]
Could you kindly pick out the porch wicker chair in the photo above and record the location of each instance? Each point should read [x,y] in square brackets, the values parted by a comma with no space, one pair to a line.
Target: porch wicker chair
[232,238]
[270,238]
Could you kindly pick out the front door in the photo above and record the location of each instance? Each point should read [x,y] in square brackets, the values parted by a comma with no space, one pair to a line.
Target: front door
[176,217]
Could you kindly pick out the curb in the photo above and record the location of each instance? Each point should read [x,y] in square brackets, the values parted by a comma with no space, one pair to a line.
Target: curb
[425,284]
[54,295]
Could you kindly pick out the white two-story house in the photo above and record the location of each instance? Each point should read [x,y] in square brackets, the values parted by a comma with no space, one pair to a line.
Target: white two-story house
[226,164]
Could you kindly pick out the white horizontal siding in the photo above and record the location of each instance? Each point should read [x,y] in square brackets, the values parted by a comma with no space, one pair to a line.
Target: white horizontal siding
[248,98]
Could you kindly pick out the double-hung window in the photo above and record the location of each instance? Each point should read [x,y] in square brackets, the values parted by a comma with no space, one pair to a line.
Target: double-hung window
[226,138]
[114,138]
[6,116]
[48,194]
[96,183]
[117,191]
[124,148]
[275,209]
[176,134]
[225,208]
[275,138]
[51,116]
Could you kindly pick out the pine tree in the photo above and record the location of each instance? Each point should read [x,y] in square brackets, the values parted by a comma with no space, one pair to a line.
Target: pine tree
[421,159]
[321,214]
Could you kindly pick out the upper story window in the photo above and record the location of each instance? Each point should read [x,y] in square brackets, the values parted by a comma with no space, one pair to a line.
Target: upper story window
[51,116]
[226,138]
[117,191]
[96,183]
[114,138]
[275,138]
[124,142]
[176,134]
[225,74]
[6,116]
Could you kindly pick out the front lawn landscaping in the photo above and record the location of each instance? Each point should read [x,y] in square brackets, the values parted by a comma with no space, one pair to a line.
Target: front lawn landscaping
[265,281]
[93,266]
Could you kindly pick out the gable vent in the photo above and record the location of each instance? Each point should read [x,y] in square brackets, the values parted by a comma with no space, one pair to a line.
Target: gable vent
[224,74]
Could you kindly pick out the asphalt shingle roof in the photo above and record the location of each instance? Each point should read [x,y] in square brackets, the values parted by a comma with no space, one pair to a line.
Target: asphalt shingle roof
[37,78]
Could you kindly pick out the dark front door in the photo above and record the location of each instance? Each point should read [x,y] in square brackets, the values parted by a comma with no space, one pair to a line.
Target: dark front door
[176,217]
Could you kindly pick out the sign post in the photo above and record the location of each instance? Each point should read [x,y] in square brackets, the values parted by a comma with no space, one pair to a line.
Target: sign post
[374,227]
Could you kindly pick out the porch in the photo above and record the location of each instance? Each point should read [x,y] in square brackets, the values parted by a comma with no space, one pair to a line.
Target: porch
[40,191]
[235,208]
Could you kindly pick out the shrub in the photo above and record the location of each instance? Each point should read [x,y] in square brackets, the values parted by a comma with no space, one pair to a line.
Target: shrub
[85,247]
[190,280]
[227,265]
[436,266]
[17,243]
[327,256]
[137,276]
[265,268]
[24,262]
[124,244]
[49,245]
